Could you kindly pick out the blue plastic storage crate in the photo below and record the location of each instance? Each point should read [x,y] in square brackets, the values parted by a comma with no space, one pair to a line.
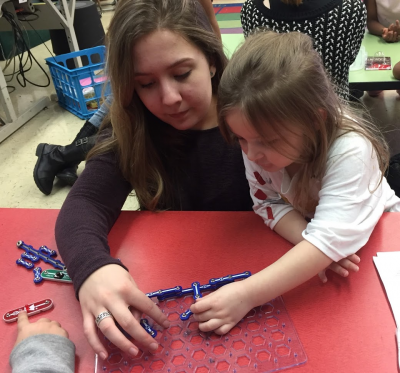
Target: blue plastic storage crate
[80,90]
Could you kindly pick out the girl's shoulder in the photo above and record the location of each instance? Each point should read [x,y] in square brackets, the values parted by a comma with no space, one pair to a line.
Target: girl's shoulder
[350,142]
[351,154]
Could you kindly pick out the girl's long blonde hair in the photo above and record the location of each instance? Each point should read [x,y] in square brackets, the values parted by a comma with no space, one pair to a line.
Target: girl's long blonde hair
[277,81]
[142,142]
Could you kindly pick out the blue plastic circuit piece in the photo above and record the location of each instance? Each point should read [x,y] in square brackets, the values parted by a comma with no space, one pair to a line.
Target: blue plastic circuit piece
[166,293]
[196,290]
[37,273]
[227,279]
[188,291]
[31,257]
[205,287]
[47,259]
[24,263]
[196,287]
[185,315]
[154,293]
[46,251]
[148,328]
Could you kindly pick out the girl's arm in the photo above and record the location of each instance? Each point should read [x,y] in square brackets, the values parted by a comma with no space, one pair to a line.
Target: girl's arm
[374,26]
[396,70]
[283,219]
[291,227]
[223,309]
[389,34]
[298,265]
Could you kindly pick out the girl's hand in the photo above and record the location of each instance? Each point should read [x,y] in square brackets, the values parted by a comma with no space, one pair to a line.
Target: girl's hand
[112,289]
[221,310]
[27,329]
[389,35]
[395,27]
[342,267]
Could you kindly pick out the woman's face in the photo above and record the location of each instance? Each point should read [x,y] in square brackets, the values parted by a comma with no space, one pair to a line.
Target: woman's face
[173,80]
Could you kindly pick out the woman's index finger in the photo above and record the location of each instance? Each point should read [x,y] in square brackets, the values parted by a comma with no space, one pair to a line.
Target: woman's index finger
[148,307]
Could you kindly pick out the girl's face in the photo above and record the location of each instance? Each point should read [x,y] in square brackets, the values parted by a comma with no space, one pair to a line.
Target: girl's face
[173,80]
[264,152]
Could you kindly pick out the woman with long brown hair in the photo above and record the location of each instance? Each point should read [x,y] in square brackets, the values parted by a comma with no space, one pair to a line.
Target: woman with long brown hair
[56,161]
[162,140]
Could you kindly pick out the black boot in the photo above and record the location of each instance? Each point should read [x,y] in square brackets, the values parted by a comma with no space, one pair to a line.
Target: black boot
[68,175]
[53,158]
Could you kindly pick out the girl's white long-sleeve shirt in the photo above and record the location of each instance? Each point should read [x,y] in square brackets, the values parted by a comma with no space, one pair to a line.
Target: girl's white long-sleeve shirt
[388,11]
[349,202]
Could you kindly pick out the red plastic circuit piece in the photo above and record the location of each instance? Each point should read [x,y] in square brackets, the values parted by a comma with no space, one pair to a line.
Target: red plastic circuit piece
[31,309]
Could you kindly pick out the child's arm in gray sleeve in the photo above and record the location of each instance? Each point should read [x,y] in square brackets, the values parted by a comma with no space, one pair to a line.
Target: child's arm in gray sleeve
[43,353]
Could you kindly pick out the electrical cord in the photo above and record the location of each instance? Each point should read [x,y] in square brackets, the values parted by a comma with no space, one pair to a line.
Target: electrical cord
[16,48]
[23,18]
[20,49]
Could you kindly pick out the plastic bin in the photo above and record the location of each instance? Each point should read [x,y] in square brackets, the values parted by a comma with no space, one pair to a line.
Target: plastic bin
[80,90]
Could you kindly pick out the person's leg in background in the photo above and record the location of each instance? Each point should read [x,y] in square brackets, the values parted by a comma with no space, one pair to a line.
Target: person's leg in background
[374,93]
[355,94]
[393,174]
[63,161]
[90,128]
[396,73]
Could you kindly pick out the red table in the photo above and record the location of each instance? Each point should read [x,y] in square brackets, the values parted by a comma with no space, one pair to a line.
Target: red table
[345,325]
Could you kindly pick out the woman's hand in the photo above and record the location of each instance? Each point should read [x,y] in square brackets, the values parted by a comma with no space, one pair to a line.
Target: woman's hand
[112,289]
[221,310]
[27,329]
[342,267]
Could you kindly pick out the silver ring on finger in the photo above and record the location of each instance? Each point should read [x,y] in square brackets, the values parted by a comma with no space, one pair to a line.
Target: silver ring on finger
[101,316]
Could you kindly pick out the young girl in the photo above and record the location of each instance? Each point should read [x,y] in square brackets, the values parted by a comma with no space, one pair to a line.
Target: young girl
[162,140]
[383,19]
[315,169]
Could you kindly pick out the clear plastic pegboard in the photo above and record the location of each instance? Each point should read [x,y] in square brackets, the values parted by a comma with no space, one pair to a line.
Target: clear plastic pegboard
[265,340]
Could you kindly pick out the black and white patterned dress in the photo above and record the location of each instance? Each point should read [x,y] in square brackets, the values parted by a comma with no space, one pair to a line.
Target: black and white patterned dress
[336,26]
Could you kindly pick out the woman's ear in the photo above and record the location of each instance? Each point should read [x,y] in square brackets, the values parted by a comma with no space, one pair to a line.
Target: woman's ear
[213,70]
